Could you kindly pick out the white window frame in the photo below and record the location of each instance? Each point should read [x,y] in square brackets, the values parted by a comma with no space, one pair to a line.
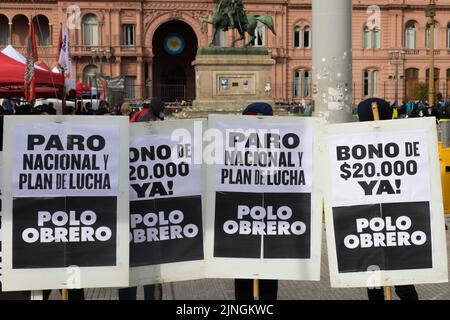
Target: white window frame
[221,38]
[128,33]
[411,30]
[297,33]
[372,78]
[306,38]
[90,31]
[302,83]
[260,34]
[367,38]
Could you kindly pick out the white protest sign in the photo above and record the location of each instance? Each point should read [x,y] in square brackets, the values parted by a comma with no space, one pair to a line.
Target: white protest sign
[166,220]
[65,202]
[384,213]
[263,198]
[19,295]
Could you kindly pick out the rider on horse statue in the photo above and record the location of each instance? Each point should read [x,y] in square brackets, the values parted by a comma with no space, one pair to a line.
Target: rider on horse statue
[234,10]
[230,14]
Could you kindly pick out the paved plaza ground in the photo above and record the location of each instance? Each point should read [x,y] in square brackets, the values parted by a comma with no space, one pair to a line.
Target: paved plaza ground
[223,289]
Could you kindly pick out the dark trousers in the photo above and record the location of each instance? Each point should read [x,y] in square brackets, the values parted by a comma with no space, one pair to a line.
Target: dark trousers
[73,294]
[243,289]
[149,293]
[407,292]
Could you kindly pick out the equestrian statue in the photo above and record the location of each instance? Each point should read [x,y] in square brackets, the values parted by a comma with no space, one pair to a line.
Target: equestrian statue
[230,14]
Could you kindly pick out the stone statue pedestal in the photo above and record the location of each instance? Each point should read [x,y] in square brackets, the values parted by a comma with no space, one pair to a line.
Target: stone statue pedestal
[228,79]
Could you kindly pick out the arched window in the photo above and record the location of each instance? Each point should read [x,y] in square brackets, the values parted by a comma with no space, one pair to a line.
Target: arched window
[19,30]
[4,30]
[410,35]
[370,83]
[302,37]
[297,37]
[411,80]
[260,34]
[306,37]
[448,36]
[376,38]
[371,38]
[90,30]
[367,38]
[42,29]
[302,83]
[89,74]
[427,37]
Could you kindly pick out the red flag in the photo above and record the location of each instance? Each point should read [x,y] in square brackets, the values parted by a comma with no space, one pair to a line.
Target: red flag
[32,57]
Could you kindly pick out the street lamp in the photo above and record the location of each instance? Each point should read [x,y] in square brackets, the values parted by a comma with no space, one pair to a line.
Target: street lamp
[100,54]
[396,58]
[430,12]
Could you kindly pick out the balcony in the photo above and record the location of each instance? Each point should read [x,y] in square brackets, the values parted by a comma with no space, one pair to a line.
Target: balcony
[412,51]
[86,50]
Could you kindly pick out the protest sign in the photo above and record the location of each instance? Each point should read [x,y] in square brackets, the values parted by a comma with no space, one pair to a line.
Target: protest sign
[166,221]
[65,202]
[15,295]
[263,198]
[384,214]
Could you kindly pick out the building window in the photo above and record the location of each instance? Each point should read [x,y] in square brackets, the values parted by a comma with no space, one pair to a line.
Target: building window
[260,34]
[128,35]
[367,38]
[302,83]
[297,37]
[4,30]
[302,37]
[371,38]
[370,83]
[376,39]
[411,80]
[448,36]
[220,39]
[428,39]
[42,29]
[410,35]
[89,74]
[90,30]
[130,87]
[306,37]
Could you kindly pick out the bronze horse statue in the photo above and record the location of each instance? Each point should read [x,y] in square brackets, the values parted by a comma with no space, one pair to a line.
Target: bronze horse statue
[249,26]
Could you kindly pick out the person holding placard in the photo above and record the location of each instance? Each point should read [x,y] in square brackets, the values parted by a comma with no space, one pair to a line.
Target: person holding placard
[244,288]
[383,112]
[153,111]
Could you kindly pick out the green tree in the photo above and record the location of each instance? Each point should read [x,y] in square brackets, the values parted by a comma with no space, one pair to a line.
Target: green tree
[420,91]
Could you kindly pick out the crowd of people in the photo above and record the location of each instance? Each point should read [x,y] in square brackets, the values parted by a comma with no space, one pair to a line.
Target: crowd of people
[415,109]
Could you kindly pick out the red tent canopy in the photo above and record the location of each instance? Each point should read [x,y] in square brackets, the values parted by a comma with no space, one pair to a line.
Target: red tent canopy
[12,73]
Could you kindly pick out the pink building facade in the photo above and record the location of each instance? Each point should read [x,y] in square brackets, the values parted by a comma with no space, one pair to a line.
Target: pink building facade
[153,43]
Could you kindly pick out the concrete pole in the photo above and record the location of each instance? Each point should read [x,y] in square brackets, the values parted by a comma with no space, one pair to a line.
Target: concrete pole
[332,59]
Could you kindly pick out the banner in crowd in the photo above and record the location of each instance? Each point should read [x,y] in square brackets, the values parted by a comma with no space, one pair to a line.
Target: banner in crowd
[166,220]
[384,214]
[264,212]
[65,202]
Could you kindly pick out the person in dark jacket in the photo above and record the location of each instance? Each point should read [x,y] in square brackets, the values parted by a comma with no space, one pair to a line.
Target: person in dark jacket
[406,292]
[243,288]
